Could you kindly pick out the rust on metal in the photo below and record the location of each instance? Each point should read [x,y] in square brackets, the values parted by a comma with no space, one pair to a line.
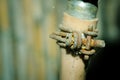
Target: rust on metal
[82,41]
[66,37]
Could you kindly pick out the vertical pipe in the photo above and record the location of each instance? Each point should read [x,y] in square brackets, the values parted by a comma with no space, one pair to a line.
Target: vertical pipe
[72,67]
[77,18]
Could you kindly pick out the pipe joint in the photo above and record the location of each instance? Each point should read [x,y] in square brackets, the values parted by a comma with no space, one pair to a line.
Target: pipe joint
[73,40]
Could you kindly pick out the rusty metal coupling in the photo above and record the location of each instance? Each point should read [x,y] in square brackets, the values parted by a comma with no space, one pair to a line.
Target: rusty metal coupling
[83,42]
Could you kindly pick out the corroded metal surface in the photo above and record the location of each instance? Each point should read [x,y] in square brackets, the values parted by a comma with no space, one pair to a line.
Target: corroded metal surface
[73,39]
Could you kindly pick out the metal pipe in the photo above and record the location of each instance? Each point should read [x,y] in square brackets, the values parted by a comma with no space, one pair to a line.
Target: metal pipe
[73,66]
[78,18]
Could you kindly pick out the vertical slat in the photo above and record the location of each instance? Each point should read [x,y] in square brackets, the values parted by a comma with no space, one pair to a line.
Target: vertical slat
[0,50]
[30,29]
[19,31]
[39,55]
[49,48]
[6,43]
[45,22]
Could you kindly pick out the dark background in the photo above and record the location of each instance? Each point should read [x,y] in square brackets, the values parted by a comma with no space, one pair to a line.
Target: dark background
[105,65]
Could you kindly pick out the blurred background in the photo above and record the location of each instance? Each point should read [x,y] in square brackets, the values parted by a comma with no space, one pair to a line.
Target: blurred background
[27,52]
